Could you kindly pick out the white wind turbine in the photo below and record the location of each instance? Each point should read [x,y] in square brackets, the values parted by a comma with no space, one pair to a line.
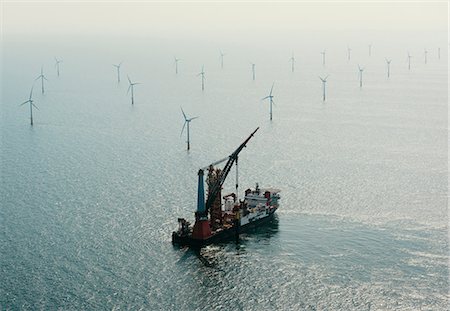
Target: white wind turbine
[202,73]
[30,101]
[57,62]
[270,97]
[118,71]
[323,56]
[324,83]
[187,121]
[131,87]
[409,61]
[176,65]
[42,77]
[292,60]
[388,62]
[361,69]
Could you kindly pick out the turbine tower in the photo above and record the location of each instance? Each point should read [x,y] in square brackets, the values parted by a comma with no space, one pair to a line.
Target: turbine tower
[323,57]
[324,82]
[409,61]
[425,55]
[292,60]
[118,71]
[361,69]
[131,87]
[439,53]
[388,62]
[270,97]
[187,121]
[57,62]
[253,70]
[221,58]
[176,65]
[349,50]
[30,101]
[202,73]
[42,77]
[370,49]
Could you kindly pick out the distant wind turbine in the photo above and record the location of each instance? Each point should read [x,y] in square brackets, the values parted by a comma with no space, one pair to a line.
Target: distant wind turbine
[409,61]
[323,57]
[176,65]
[439,53]
[292,60]
[270,97]
[361,69]
[131,87]
[349,50]
[202,73]
[324,83]
[118,71]
[370,49]
[221,58]
[253,71]
[187,121]
[57,62]
[42,77]
[425,54]
[388,62]
[30,101]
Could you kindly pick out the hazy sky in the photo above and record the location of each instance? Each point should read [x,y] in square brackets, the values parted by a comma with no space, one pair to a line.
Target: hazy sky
[190,18]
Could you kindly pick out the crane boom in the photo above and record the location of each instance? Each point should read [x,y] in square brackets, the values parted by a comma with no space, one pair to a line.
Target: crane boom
[215,189]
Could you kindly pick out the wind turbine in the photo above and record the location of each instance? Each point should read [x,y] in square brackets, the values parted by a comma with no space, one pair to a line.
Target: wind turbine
[349,50]
[270,97]
[388,62]
[253,70]
[292,60]
[361,69]
[176,65]
[202,73]
[30,100]
[131,86]
[323,57]
[324,82]
[187,121]
[221,58]
[118,71]
[439,53]
[425,54]
[409,61]
[57,61]
[370,49]
[42,77]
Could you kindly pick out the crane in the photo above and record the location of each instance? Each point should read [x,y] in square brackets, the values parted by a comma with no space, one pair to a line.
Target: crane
[215,189]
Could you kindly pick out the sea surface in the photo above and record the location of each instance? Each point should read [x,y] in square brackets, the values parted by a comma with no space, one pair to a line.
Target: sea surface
[91,193]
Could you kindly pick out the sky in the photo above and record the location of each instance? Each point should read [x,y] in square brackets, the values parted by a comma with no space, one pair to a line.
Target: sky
[34,18]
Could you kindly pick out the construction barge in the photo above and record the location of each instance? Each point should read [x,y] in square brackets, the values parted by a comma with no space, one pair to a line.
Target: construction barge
[220,221]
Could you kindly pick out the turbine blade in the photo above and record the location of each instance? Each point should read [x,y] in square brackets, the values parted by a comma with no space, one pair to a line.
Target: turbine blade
[129,87]
[184,125]
[128,77]
[35,106]
[184,115]
[271,89]
[31,92]
[192,119]
[24,103]
[265,97]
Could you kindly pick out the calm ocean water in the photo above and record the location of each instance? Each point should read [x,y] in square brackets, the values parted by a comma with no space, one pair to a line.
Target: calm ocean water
[91,193]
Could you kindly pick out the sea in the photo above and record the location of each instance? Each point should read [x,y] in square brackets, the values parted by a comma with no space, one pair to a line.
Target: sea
[91,193]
